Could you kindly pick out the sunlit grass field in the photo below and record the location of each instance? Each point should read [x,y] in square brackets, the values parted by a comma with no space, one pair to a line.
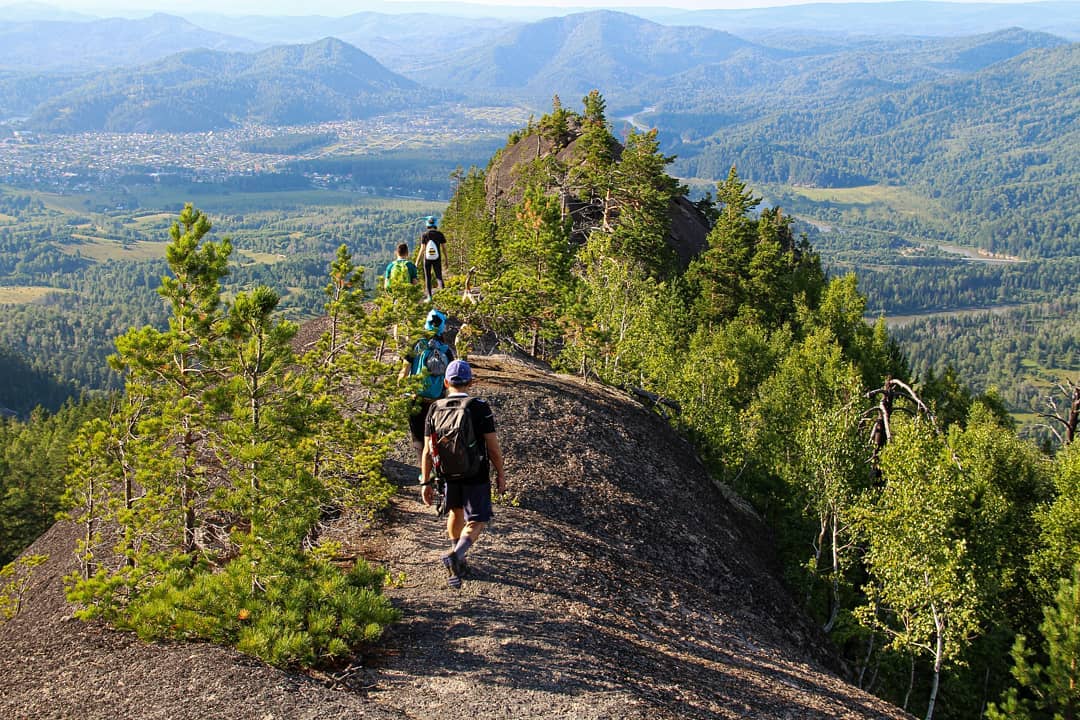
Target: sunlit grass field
[887,197]
[102,249]
[24,294]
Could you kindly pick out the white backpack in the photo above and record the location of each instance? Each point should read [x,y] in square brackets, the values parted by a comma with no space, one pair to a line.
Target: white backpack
[432,251]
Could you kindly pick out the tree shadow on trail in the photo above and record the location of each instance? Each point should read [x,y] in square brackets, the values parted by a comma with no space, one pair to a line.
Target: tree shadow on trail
[519,624]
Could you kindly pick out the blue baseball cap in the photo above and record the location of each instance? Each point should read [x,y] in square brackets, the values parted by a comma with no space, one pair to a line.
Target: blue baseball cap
[459,373]
[431,221]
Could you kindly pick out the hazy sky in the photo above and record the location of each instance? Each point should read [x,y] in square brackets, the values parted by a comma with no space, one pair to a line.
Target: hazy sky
[344,7]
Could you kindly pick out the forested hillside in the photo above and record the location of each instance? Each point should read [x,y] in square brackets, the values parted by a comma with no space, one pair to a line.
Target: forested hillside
[997,151]
[73,278]
[284,85]
[912,523]
[916,526]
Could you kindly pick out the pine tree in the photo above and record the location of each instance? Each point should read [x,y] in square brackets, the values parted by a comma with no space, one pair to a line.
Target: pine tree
[471,222]
[216,470]
[1049,689]
[555,126]
[642,201]
[753,266]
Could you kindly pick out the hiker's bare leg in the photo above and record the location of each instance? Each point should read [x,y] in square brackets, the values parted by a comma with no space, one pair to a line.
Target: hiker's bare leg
[469,535]
[455,523]
[473,530]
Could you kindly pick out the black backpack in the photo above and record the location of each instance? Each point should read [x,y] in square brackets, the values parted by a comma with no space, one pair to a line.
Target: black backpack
[457,451]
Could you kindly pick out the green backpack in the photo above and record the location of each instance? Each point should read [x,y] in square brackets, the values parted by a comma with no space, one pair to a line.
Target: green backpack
[399,274]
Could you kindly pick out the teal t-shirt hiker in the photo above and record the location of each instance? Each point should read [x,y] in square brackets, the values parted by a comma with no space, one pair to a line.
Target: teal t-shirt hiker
[401,271]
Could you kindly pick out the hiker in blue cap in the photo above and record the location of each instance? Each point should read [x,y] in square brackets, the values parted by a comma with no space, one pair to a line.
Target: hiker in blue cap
[460,448]
[432,243]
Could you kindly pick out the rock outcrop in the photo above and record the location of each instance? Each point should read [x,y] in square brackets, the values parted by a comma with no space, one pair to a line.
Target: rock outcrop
[688,230]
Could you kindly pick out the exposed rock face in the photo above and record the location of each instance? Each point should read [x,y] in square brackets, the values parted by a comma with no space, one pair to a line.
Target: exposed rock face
[686,235]
[622,583]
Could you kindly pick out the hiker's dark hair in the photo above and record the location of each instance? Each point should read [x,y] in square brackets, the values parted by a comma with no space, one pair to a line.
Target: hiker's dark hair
[403,249]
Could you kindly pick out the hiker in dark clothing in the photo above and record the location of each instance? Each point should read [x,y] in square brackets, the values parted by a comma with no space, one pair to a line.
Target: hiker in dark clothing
[432,354]
[468,499]
[432,243]
[400,271]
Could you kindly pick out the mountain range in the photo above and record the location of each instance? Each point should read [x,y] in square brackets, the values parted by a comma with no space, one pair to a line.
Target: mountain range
[69,45]
[906,17]
[698,80]
[574,54]
[203,90]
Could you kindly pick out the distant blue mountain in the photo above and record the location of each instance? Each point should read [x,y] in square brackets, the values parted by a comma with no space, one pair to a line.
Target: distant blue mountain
[907,17]
[398,40]
[204,90]
[100,44]
[574,54]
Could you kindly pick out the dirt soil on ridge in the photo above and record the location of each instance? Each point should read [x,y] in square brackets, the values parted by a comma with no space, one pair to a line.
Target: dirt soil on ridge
[623,583]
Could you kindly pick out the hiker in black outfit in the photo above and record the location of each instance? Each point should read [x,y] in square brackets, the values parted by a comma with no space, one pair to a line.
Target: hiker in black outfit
[432,243]
[468,498]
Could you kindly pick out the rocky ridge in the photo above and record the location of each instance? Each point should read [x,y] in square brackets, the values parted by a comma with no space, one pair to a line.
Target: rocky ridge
[620,582]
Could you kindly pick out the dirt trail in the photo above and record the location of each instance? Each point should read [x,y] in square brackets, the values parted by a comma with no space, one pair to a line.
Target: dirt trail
[623,585]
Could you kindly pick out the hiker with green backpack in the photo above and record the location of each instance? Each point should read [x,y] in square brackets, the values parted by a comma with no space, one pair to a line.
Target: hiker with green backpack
[401,271]
[428,359]
[460,448]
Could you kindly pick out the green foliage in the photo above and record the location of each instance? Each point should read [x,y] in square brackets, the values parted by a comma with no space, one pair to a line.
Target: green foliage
[182,492]
[1059,526]
[555,126]
[829,475]
[14,580]
[842,311]
[718,379]
[923,590]
[290,609]
[1008,483]
[1006,187]
[1022,353]
[752,265]
[471,223]
[1047,675]
[93,266]
[33,462]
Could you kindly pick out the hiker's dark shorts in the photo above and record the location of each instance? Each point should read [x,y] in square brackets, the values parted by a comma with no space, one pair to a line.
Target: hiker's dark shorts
[475,498]
[417,420]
